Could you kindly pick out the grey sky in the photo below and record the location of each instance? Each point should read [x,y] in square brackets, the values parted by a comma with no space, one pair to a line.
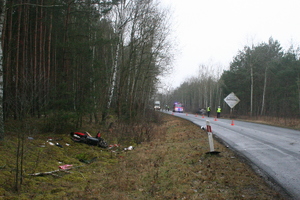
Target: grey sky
[211,32]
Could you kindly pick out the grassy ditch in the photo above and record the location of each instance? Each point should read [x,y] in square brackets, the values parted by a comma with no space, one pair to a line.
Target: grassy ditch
[172,165]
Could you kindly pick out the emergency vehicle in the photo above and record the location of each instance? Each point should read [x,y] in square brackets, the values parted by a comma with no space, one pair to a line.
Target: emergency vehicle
[178,107]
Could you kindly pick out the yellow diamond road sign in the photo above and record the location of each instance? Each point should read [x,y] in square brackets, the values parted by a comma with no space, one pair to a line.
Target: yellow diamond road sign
[232,100]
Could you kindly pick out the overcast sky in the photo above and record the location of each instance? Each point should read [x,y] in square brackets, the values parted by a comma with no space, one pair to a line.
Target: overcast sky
[211,32]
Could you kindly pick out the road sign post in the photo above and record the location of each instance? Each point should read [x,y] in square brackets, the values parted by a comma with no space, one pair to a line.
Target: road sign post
[231,101]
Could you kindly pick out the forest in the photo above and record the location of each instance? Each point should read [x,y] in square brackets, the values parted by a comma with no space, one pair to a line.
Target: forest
[71,65]
[63,60]
[264,77]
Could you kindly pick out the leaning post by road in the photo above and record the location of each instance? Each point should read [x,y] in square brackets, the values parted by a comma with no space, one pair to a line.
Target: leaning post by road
[210,139]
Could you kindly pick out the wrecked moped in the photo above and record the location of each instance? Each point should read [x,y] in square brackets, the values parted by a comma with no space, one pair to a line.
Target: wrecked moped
[88,139]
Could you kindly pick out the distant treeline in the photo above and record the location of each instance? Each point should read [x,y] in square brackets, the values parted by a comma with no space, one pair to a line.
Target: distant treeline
[264,77]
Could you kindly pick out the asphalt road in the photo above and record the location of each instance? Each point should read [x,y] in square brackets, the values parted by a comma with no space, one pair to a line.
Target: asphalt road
[274,151]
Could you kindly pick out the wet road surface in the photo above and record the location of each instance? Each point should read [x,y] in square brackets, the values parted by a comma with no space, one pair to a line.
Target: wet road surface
[274,151]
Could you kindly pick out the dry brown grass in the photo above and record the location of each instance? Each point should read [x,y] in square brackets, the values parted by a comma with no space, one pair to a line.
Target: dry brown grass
[173,165]
[293,123]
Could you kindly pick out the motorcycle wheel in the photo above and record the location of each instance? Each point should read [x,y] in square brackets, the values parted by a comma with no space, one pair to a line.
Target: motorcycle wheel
[102,143]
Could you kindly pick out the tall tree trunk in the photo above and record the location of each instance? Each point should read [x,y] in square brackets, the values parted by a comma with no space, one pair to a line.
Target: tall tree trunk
[42,69]
[2,20]
[7,69]
[264,93]
[35,60]
[23,88]
[93,82]
[251,93]
[298,84]
[113,82]
[46,100]
[16,74]
[119,26]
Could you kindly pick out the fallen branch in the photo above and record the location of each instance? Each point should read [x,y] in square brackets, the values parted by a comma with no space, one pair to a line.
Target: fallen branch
[53,172]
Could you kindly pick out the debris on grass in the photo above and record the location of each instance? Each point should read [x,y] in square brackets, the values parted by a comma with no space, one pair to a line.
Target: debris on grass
[172,164]
[63,168]
[129,148]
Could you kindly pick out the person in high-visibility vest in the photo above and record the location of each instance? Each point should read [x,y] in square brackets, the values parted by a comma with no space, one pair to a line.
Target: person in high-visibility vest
[219,110]
[208,111]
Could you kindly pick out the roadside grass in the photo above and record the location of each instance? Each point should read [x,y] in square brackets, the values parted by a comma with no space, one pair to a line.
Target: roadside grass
[293,123]
[172,165]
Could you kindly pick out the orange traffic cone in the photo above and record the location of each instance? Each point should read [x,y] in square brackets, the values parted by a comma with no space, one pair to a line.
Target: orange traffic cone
[232,123]
[202,116]
[216,119]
